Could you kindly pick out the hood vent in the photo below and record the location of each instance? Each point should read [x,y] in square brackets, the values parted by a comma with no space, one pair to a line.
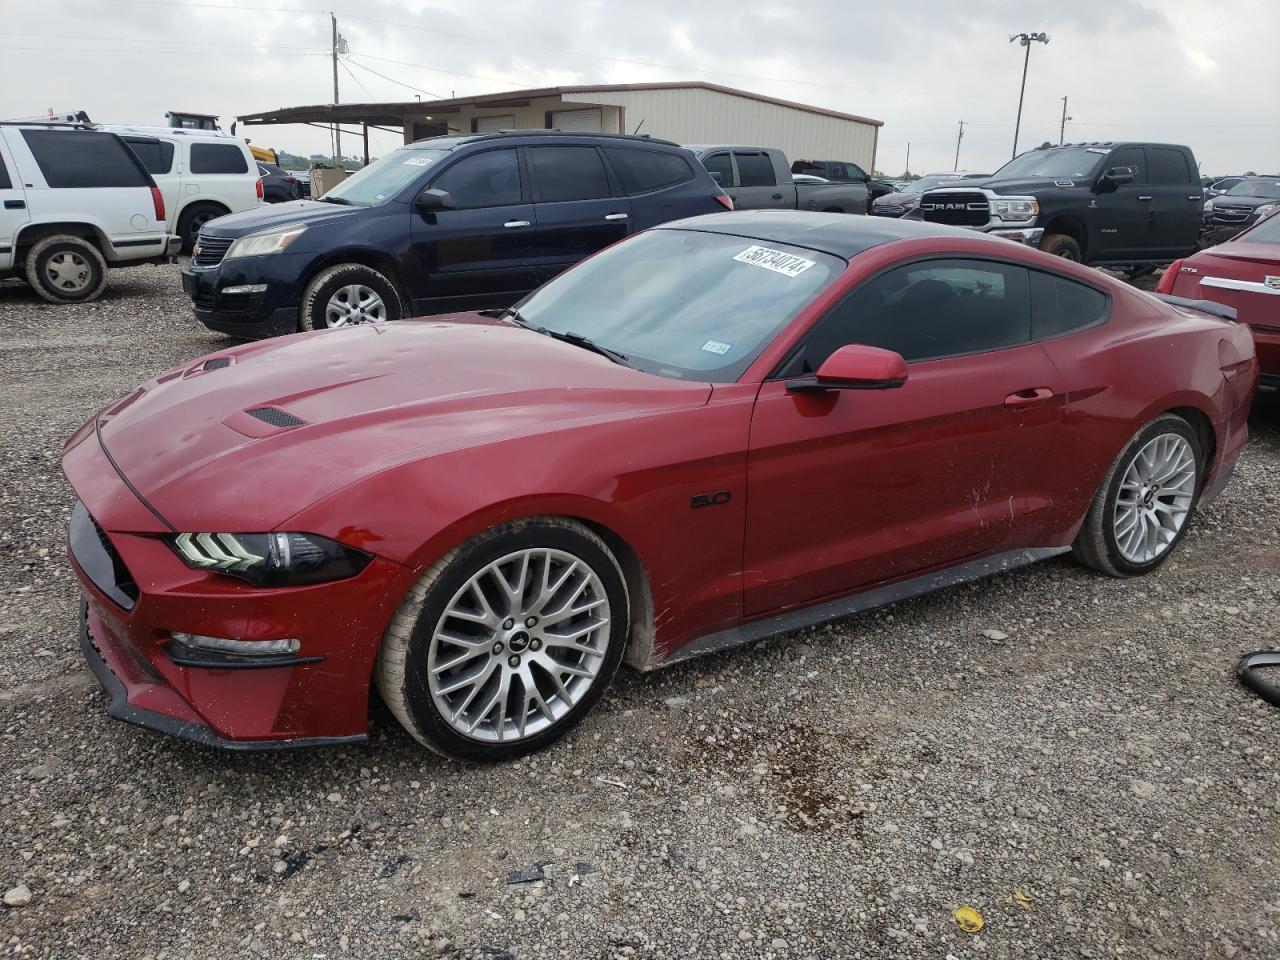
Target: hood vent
[217,363]
[276,417]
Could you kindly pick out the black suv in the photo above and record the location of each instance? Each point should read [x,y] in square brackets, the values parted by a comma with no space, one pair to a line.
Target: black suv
[1121,205]
[443,224]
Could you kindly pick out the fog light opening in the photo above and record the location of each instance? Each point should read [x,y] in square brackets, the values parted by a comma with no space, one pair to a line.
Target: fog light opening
[244,648]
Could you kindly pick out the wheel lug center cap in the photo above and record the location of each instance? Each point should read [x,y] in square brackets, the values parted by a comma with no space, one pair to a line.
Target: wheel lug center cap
[518,641]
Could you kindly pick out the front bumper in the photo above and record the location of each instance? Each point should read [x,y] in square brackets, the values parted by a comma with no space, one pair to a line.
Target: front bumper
[245,298]
[1031,236]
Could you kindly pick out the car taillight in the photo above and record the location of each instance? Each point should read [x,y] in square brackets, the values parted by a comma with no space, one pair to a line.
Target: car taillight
[259,186]
[157,201]
[1169,277]
[726,201]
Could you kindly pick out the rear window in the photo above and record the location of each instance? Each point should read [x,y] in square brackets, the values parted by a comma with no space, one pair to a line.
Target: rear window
[156,155]
[569,173]
[643,170]
[1167,166]
[84,158]
[218,158]
[720,167]
[1059,306]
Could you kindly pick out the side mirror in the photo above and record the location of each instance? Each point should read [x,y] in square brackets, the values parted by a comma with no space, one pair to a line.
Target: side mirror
[855,367]
[431,200]
[1116,177]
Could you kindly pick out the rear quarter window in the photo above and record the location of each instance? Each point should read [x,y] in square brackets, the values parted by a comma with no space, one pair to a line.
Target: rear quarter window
[1167,166]
[84,158]
[218,158]
[5,182]
[642,171]
[1060,306]
[156,155]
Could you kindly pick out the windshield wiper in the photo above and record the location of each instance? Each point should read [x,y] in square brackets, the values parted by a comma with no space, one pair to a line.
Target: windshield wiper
[340,200]
[577,339]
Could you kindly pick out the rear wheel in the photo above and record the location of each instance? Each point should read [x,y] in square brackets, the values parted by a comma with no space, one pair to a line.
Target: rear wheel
[347,295]
[1061,245]
[192,219]
[1141,511]
[507,641]
[66,269]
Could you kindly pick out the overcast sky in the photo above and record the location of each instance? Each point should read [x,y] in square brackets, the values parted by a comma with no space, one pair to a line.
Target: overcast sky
[1188,71]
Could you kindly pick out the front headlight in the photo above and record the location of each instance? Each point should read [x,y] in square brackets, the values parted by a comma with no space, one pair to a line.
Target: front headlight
[263,243]
[1266,208]
[270,559]
[1015,209]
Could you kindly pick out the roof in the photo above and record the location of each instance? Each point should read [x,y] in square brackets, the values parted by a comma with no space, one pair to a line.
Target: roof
[840,234]
[392,113]
[450,141]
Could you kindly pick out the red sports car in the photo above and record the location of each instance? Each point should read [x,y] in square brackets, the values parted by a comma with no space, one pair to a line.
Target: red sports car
[1243,273]
[719,429]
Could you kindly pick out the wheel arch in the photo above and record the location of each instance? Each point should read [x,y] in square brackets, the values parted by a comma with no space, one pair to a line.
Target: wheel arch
[29,234]
[1205,433]
[200,201]
[1072,227]
[384,263]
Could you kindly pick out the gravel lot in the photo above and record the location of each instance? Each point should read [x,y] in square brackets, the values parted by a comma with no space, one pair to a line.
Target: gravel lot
[1067,754]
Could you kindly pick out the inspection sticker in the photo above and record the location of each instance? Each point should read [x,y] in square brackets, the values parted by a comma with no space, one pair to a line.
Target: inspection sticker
[716,347]
[419,162]
[787,264]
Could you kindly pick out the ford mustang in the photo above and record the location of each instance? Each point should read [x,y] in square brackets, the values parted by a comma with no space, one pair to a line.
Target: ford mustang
[717,430]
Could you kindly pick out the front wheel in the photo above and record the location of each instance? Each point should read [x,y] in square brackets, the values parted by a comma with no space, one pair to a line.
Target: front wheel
[507,641]
[346,295]
[66,269]
[1061,245]
[1142,508]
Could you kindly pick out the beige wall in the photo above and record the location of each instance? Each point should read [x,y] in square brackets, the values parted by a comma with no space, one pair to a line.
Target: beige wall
[530,117]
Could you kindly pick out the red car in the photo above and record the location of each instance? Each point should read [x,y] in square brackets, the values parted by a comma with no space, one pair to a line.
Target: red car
[1243,273]
[716,430]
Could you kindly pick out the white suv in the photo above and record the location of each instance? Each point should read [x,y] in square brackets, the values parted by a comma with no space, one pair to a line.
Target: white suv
[73,202]
[202,173]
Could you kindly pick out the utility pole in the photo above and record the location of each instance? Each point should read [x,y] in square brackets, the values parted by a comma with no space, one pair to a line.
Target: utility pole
[959,137]
[908,170]
[1062,131]
[1026,39]
[337,131]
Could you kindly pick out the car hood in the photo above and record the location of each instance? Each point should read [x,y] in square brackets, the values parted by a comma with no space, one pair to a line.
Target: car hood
[904,201]
[348,403]
[1019,187]
[271,215]
[1226,200]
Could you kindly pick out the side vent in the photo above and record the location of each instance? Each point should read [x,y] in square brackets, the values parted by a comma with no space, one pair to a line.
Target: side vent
[217,363]
[276,417]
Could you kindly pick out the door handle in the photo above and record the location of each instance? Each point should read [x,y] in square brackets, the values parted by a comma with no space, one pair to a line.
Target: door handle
[1201,199]
[510,224]
[615,216]
[15,205]
[777,196]
[1146,197]
[1028,397]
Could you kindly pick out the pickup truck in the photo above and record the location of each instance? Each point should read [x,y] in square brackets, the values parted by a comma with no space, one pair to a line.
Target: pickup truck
[759,178]
[1130,206]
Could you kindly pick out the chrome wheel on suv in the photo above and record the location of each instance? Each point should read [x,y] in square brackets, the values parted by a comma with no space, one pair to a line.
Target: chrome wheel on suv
[68,272]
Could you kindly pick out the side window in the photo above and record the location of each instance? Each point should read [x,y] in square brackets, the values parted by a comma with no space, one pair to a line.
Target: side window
[1133,157]
[569,173]
[640,171]
[1059,306]
[489,179]
[156,155]
[5,182]
[929,310]
[755,170]
[1167,166]
[721,164]
[218,158]
[83,158]
[855,172]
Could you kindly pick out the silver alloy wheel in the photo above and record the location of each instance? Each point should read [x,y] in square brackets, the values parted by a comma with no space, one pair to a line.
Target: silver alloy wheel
[519,645]
[68,272]
[354,303]
[1154,498]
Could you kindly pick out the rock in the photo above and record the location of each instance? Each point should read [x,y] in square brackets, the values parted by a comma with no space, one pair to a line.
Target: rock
[995,634]
[745,936]
[1143,789]
[18,896]
[41,771]
[184,886]
[936,843]
[727,792]
[778,943]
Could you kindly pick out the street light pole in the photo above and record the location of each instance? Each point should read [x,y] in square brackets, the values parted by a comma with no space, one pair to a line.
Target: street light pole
[1062,131]
[959,137]
[1026,39]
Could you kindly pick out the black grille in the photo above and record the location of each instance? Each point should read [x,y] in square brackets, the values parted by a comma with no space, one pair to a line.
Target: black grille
[1226,214]
[217,363]
[97,557]
[960,208]
[276,417]
[210,250]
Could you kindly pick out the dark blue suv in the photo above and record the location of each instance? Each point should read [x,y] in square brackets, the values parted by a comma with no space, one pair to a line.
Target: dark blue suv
[444,224]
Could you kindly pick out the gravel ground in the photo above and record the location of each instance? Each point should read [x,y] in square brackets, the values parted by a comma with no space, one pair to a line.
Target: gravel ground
[1067,754]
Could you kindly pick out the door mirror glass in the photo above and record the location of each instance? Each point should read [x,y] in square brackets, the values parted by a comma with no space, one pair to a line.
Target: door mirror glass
[433,199]
[855,366]
[1116,177]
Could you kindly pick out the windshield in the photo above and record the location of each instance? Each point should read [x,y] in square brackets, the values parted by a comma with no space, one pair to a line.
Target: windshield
[1265,189]
[1064,162]
[683,303]
[927,183]
[1267,231]
[381,180]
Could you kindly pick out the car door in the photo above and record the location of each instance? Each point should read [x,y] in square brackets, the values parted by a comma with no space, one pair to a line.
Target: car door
[13,207]
[1176,203]
[578,207]
[1123,211]
[850,488]
[475,253]
[158,156]
[757,183]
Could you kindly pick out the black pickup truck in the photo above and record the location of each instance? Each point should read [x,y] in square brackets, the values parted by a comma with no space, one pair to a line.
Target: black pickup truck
[1128,206]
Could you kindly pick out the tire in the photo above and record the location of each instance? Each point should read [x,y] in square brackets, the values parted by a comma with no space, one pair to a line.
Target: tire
[1104,542]
[192,219]
[1137,273]
[332,299]
[66,269]
[416,667]
[1061,245]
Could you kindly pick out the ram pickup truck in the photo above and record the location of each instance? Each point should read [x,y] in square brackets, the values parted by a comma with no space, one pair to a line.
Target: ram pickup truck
[759,178]
[1127,206]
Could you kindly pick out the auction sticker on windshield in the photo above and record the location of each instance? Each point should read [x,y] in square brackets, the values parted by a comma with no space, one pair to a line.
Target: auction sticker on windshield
[787,264]
[419,162]
[716,347]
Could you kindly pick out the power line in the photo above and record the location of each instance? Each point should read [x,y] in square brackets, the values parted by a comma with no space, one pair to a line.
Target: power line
[180,53]
[163,41]
[391,79]
[423,66]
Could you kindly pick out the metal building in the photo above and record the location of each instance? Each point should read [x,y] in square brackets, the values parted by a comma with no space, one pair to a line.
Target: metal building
[684,112]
